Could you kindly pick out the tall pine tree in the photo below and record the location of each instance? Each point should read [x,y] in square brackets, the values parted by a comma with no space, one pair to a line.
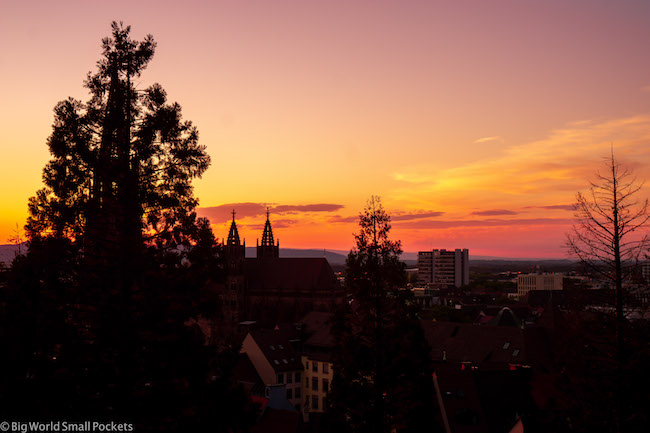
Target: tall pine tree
[382,372]
[96,325]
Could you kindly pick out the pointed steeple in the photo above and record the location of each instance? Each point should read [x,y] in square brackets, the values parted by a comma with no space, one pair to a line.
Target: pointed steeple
[233,235]
[268,248]
[267,236]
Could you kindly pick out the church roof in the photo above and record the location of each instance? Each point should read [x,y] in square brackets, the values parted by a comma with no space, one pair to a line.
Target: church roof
[290,274]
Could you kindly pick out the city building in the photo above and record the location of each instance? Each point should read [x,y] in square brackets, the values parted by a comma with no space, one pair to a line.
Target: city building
[528,282]
[275,359]
[316,359]
[444,269]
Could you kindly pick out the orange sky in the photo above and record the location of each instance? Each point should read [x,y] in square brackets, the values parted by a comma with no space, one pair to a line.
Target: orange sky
[475,121]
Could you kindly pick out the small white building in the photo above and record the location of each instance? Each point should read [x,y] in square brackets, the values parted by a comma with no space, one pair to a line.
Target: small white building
[528,282]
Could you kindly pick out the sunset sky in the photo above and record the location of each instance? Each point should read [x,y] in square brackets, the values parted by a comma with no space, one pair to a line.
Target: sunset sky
[475,121]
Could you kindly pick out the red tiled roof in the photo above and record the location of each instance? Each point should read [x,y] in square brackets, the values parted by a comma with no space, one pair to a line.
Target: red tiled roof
[276,346]
[464,342]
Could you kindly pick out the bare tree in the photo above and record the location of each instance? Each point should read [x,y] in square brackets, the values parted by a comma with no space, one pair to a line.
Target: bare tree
[17,240]
[608,238]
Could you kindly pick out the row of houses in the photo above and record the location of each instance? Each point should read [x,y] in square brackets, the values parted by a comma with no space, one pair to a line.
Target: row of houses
[482,371]
[291,359]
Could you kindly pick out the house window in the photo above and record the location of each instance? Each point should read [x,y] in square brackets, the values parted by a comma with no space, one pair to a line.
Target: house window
[314,383]
[314,402]
[515,352]
[326,367]
[289,393]
[314,367]
[326,385]
[280,377]
[297,377]
[297,394]
[307,382]
[281,347]
[506,345]
[306,365]
[289,378]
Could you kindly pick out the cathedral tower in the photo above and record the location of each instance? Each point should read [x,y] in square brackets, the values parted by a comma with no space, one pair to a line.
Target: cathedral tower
[234,255]
[268,249]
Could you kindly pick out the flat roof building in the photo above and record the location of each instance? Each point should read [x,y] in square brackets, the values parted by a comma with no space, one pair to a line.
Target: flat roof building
[528,282]
[444,268]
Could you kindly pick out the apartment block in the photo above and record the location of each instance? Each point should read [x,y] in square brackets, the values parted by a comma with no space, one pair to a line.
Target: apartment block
[442,268]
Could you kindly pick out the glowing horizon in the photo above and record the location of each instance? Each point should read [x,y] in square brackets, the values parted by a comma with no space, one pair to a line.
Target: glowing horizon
[476,122]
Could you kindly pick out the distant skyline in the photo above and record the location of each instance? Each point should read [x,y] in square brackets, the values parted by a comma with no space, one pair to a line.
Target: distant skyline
[476,122]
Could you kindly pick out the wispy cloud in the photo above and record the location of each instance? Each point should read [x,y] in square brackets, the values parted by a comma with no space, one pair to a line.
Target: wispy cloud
[492,222]
[415,216]
[343,219]
[277,224]
[486,139]
[494,212]
[553,207]
[551,170]
[320,207]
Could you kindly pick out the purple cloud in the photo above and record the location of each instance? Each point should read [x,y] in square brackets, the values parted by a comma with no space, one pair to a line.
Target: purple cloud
[320,207]
[437,224]
[494,212]
[415,216]
[342,219]
[223,213]
[396,217]
[553,207]
[277,224]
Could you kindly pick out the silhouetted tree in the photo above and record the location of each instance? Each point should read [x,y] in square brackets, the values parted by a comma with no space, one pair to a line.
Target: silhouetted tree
[122,162]
[95,318]
[382,372]
[607,238]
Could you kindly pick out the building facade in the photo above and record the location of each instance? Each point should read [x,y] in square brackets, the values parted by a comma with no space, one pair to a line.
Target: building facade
[444,269]
[528,282]
[318,378]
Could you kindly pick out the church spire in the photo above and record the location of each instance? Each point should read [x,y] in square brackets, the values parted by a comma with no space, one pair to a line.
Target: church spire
[233,235]
[268,248]
[267,236]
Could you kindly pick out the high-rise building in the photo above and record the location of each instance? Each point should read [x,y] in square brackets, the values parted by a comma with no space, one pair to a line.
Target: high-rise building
[444,268]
